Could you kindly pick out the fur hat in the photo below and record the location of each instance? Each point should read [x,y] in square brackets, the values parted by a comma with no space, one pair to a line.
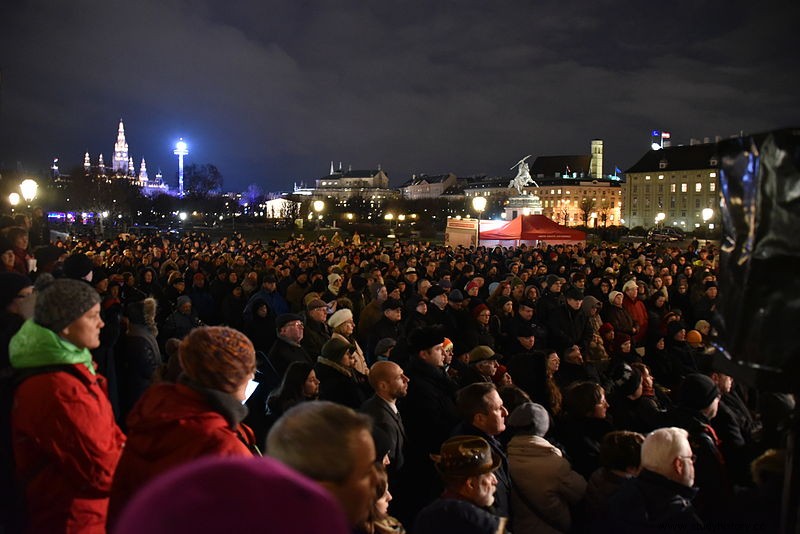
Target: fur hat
[340,317]
[697,392]
[626,380]
[77,266]
[530,414]
[217,357]
[425,337]
[62,301]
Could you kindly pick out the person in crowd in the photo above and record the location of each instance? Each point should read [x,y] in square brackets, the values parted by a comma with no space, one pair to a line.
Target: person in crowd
[332,445]
[181,321]
[429,413]
[567,325]
[387,326]
[660,498]
[17,300]
[379,520]
[338,380]
[316,332]
[343,324]
[142,355]
[551,298]
[483,364]
[620,460]
[390,384]
[697,406]
[232,309]
[287,347]
[466,465]
[200,415]
[636,309]
[477,332]
[372,312]
[483,415]
[545,488]
[18,239]
[535,374]
[269,294]
[583,425]
[618,316]
[414,315]
[198,491]
[260,326]
[67,468]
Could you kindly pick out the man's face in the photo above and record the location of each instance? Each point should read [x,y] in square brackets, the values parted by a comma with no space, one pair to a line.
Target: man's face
[84,332]
[357,492]
[433,356]
[575,304]
[318,314]
[487,367]
[293,331]
[685,474]
[527,342]
[394,315]
[492,422]
[270,286]
[440,301]
[397,382]
[574,355]
[525,313]
[482,490]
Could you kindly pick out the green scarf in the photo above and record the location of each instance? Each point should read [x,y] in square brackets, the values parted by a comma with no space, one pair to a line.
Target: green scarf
[37,346]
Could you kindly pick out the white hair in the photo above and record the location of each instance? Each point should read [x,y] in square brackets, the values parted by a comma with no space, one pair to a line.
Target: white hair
[661,447]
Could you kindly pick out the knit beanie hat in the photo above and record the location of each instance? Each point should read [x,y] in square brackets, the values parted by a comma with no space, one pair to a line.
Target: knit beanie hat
[10,285]
[626,380]
[530,414]
[697,392]
[62,301]
[217,357]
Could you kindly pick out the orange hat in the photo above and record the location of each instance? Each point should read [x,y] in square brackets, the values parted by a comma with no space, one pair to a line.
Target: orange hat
[693,337]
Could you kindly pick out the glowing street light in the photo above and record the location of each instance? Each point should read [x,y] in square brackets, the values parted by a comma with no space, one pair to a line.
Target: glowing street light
[479,204]
[13,199]
[660,217]
[182,216]
[318,206]
[707,213]
[181,149]
[29,188]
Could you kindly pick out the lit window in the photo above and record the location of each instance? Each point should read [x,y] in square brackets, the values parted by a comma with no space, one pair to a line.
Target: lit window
[712,175]
[698,187]
[684,188]
[712,186]
[672,188]
[660,176]
[647,177]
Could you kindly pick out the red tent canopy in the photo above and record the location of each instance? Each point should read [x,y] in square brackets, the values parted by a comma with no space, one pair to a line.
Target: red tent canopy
[532,228]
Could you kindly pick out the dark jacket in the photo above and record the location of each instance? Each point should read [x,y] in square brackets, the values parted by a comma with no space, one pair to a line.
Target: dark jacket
[338,384]
[390,422]
[653,503]
[452,514]
[567,327]
[284,352]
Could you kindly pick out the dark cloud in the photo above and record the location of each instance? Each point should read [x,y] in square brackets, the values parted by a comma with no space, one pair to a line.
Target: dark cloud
[272,91]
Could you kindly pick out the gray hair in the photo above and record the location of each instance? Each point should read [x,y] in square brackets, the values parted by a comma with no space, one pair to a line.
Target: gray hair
[661,447]
[314,438]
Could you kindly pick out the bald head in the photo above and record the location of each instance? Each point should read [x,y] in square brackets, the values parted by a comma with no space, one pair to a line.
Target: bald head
[388,380]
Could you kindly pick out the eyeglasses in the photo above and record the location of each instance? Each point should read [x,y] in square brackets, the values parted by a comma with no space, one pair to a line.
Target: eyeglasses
[485,315]
[693,458]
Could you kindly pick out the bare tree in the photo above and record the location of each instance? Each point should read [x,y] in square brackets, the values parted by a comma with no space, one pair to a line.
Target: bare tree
[586,206]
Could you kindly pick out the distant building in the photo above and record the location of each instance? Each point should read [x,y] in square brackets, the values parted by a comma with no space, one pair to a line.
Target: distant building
[572,189]
[676,181]
[340,186]
[123,167]
[424,186]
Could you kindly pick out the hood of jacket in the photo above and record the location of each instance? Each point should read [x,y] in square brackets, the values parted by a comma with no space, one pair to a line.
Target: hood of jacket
[37,346]
[531,446]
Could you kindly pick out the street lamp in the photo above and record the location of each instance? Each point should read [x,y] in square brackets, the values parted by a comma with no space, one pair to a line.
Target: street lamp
[479,204]
[318,206]
[389,218]
[182,216]
[181,149]
[707,214]
[13,199]
[28,188]
[660,217]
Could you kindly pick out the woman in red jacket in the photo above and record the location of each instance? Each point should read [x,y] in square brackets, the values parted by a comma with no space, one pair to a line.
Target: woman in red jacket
[65,441]
[201,415]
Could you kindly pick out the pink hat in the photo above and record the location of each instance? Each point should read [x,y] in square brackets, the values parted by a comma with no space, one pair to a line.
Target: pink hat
[229,495]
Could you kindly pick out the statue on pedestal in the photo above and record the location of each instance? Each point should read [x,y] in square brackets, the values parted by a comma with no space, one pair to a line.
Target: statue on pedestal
[523,176]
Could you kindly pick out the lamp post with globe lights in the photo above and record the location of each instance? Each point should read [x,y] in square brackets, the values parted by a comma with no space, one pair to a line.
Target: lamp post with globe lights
[13,199]
[181,149]
[29,188]
[318,206]
[389,218]
[479,204]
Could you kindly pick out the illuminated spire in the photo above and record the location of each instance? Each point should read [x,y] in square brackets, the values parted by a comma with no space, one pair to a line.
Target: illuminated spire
[131,167]
[87,164]
[331,166]
[101,167]
[143,171]
[121,161]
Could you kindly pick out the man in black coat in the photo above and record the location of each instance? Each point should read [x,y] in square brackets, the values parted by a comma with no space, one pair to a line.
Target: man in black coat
[567,324]
[390,384]
[429,414]
[660,498]
[387,326]
[316,331]
[287,348]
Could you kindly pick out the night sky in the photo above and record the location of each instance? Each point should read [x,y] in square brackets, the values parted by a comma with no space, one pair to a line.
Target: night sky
[271,92]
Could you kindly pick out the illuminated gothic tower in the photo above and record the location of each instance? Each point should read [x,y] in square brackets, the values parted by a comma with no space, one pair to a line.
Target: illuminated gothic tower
[143,172]
[120,164]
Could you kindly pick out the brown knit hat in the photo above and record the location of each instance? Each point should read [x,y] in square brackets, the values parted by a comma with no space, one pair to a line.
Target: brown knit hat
[217,357]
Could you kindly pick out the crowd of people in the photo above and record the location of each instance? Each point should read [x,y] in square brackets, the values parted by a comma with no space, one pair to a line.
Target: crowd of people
[408,387]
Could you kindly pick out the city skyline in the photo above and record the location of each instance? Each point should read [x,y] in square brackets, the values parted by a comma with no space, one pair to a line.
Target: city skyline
[272,92]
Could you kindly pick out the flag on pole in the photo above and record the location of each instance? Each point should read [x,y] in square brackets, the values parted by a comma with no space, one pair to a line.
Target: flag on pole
[665,135]
[617,170]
